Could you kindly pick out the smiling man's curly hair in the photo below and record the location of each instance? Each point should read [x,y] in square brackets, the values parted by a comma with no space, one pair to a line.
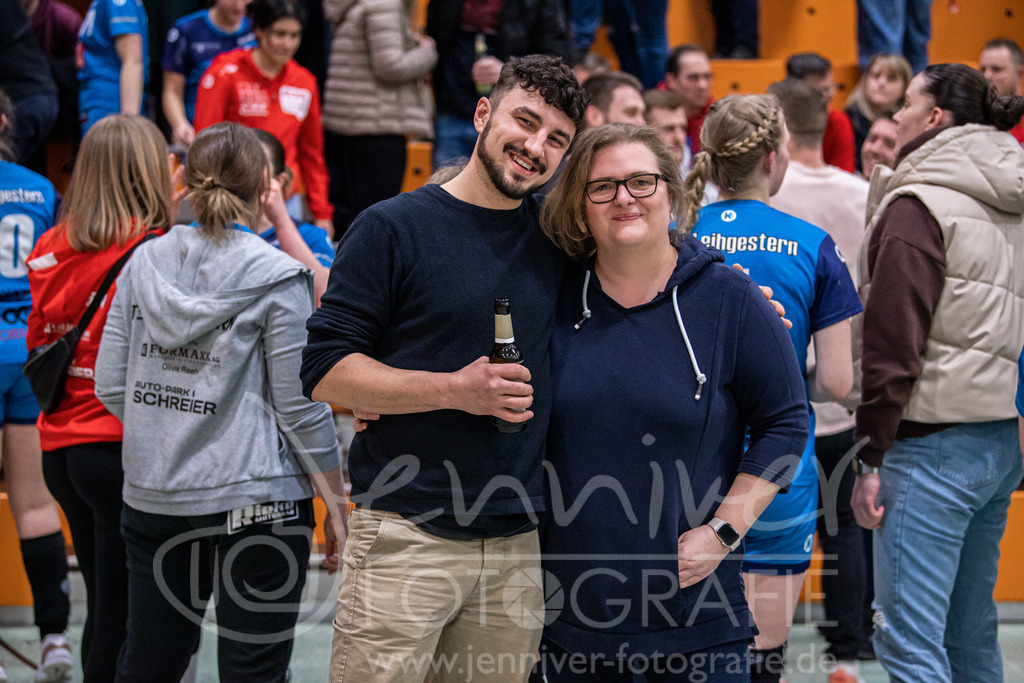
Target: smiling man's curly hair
[550,77]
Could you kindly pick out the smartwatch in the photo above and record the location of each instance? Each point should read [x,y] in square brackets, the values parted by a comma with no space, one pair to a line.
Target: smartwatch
[861,467]
[727,535]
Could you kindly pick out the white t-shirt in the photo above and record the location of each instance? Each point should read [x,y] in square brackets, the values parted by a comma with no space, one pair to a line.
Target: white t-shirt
[835,201]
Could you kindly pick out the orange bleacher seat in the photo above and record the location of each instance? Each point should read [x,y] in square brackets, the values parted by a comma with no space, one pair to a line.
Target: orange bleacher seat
[1009,587]
[417,165]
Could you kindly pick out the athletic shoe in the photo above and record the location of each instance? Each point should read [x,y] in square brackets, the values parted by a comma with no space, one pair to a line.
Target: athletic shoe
[55,660]
[3,674]
[845,672]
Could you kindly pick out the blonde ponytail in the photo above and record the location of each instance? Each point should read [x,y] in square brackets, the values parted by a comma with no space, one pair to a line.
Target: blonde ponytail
[224,172]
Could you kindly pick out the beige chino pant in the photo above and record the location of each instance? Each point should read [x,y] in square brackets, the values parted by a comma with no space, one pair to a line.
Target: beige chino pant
[415,606]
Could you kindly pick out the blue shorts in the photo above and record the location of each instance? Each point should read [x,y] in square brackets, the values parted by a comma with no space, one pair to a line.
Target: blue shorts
[18,404]
[781,540]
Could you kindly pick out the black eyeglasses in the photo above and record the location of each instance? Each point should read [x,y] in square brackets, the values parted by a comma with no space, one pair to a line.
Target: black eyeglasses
[638,186]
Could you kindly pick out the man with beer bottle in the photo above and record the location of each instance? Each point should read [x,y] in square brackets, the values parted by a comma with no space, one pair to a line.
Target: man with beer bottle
[442,565]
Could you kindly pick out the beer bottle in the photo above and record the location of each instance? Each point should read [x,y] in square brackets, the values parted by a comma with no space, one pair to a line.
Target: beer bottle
[480,48]
[505,351]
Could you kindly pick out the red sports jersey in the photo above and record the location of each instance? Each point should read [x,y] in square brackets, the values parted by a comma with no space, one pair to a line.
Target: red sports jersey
[1018,132]
[63,281]
[693,126]
[287,106]
[838,144]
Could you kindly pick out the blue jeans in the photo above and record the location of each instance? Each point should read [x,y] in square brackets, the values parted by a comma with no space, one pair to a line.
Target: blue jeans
[454,138]
[900,27]
[937,553]
[649,35]
[636,30]
[735,26]
[586,18]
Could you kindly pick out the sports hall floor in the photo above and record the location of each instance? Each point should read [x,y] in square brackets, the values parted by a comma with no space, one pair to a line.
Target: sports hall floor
[313,639]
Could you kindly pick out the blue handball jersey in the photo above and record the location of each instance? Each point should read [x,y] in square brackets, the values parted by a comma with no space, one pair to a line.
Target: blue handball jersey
[27,202]
[1020,384]
[192,44]
[808,276]
[799,261]
[99,79]
[315,238]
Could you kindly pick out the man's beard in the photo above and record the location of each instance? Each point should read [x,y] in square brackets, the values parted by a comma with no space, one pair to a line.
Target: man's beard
[507,187]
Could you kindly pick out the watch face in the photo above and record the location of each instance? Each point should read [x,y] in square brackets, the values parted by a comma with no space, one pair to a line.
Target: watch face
[728,535]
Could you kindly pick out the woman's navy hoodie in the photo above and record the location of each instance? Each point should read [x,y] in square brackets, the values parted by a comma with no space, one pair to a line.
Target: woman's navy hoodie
[635,459]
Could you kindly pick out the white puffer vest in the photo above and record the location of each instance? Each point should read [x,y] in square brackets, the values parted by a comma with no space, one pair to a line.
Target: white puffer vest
[971,180]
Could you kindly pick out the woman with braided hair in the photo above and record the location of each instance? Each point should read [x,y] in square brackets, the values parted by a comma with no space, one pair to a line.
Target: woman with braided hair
[744,150]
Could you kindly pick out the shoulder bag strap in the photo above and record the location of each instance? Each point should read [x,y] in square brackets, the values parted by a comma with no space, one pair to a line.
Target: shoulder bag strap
[112,274]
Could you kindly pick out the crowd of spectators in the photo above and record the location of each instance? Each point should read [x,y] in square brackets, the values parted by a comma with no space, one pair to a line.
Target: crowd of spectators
[289,121]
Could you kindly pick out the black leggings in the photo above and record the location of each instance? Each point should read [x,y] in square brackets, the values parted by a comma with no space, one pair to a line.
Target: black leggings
[256,576]
[86,481]
[844,579]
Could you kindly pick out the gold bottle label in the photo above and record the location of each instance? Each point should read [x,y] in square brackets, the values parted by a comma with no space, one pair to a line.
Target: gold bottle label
[503,329]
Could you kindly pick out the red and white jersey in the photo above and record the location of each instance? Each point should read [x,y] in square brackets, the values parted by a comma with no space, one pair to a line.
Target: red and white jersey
[63,281]
[287,106]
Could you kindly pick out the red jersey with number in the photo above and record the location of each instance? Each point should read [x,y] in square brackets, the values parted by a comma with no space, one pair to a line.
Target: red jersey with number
[63,281]
[287,106]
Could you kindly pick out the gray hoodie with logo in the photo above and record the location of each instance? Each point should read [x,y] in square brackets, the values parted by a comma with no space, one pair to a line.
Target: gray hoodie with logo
[200,360]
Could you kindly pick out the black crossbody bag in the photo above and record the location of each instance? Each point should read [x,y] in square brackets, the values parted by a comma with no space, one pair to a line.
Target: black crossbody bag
[47,366]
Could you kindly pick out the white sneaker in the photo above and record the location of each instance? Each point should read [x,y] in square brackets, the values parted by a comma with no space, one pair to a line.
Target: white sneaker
[55,659]
[3,674]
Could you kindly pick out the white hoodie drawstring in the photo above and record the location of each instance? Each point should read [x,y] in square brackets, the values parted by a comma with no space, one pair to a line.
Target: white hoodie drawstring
[586,311]
[701,377]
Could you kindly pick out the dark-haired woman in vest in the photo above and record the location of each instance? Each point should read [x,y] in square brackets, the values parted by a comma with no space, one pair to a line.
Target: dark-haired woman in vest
[942,276]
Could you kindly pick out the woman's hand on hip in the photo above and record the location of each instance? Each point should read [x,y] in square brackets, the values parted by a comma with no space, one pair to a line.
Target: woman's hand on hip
[700,553]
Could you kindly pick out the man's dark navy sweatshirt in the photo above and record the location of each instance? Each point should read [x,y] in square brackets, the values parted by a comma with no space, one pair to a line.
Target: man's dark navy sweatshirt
[413,286]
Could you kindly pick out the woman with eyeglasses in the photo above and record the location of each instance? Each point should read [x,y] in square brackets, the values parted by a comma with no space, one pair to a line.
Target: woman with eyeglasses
[744,151]
[661,357]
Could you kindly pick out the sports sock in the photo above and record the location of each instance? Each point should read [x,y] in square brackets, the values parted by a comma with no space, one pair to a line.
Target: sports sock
[46,565]
[767,666]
